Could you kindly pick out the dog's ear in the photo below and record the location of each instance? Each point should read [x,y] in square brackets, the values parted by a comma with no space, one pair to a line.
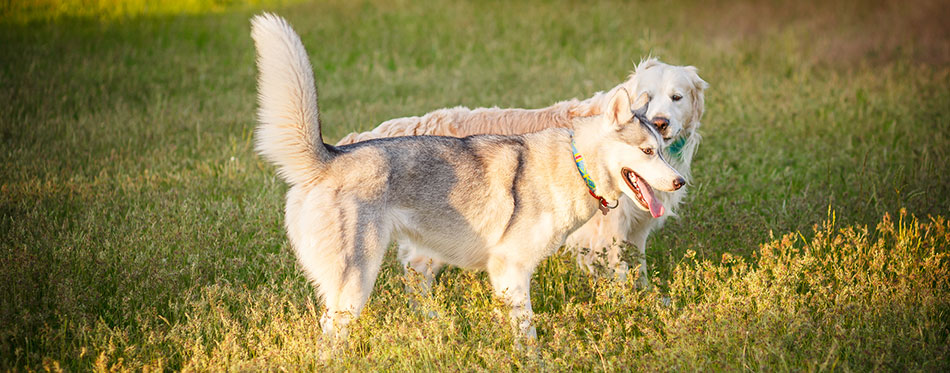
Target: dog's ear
[618,108]
[640,107]
[641,101]
[696,96]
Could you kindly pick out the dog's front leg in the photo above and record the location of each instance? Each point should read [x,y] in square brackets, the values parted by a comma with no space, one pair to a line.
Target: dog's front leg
[639,240]
[413,260]
[512,283]
[415,263]
[615,261]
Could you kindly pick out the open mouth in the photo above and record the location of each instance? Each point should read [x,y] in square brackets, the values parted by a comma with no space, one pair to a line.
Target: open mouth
[643,192]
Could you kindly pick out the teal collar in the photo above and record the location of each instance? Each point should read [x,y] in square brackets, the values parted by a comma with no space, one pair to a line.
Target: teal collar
[591,187]
[676,148]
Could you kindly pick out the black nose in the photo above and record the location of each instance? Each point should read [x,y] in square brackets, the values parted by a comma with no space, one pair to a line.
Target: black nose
[678,183]
[661,123]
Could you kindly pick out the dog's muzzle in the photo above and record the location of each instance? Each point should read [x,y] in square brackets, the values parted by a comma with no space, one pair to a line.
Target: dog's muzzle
[661,123]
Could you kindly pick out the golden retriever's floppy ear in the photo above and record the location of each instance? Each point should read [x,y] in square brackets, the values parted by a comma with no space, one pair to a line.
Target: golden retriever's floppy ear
[618,108]
[697,96]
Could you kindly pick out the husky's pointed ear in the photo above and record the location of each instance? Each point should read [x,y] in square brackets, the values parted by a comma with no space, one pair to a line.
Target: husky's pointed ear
[618,108]
[641,101]
[640,107]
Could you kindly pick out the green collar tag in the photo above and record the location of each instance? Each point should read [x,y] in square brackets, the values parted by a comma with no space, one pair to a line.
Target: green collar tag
[676,148]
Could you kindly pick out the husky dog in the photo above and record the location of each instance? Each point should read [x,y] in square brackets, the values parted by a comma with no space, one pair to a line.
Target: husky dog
[495,203]
[676,108]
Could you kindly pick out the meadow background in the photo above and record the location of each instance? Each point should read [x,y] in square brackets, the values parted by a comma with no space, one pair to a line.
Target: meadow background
[139,230]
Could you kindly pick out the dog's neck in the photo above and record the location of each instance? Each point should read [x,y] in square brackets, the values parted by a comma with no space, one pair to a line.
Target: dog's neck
[604,206]
[586,136]
[680,152]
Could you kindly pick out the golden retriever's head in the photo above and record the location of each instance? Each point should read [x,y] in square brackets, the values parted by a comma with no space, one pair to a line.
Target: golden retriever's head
[676,96]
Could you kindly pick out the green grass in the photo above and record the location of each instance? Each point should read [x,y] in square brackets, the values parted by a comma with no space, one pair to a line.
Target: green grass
[138,229]
[24,11]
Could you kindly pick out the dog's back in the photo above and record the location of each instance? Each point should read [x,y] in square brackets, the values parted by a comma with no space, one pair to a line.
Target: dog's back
[461,121]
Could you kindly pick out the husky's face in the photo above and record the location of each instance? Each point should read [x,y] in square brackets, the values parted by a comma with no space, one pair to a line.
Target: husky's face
[634,158]
[676,96]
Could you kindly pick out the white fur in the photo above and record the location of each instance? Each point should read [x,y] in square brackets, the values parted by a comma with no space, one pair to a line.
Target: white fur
[287,97]
[483,202]
[603,236]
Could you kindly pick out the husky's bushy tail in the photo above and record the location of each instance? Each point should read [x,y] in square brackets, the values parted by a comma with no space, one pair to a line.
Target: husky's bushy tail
[289,131]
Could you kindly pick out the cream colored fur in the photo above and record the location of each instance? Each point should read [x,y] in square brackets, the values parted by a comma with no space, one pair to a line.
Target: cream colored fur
[495,203]
[604,236]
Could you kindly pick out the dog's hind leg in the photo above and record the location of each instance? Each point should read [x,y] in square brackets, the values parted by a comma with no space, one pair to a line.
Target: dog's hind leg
[341,249]
[353,285]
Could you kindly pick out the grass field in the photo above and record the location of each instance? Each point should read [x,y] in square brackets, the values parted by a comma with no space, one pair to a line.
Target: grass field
[139,230]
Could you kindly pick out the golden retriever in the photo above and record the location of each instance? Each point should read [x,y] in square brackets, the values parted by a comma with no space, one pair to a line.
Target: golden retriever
[676,108]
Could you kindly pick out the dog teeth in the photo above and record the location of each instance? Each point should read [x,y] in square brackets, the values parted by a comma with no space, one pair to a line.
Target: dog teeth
[636,190]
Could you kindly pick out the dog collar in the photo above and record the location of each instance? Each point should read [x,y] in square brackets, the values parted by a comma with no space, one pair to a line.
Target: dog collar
[676,148]
[579,161]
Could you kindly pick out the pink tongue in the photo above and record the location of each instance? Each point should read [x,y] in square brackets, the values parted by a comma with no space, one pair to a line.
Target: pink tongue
[656,208]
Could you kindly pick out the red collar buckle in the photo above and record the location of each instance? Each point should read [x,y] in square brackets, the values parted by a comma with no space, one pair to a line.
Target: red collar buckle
[603,206]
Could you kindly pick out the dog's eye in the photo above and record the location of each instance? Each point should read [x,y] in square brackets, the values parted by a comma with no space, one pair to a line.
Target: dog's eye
[677,97]
[647,151]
